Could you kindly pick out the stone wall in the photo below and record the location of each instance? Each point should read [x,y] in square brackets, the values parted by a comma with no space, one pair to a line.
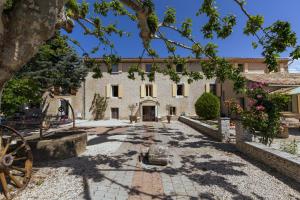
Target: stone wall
[202,128]
[283,162]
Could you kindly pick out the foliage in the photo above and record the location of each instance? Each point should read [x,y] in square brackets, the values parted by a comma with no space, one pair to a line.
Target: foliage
[19,92]
[274,39]
[98,107]
[56,64]
[263,117]
[208,106]
[291,147]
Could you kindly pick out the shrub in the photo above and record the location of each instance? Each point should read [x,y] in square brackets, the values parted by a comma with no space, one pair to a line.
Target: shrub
[208,106]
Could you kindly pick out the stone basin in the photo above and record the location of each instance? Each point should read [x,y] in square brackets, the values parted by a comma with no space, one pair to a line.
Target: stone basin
[59,145]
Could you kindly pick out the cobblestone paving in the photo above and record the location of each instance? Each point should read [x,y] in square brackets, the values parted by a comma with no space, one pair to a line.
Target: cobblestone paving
[199,169]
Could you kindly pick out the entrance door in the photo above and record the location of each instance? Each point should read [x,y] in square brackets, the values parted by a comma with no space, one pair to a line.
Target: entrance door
[115,113]
[148,113]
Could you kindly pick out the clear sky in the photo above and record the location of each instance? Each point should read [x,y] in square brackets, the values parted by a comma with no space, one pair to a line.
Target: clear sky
[237,45]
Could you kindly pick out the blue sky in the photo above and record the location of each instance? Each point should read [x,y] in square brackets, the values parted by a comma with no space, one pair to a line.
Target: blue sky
[237,45]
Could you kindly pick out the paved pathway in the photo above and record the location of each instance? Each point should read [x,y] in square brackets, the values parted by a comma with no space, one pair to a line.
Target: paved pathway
[200,169]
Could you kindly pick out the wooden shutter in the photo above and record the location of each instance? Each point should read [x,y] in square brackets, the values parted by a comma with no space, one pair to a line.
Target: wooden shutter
[207,88]
[120,91]
[174,90]
[143,92]
[108,90]
[186,91]
[154,87]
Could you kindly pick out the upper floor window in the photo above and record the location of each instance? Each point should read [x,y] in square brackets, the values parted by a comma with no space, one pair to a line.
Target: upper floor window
[149,90]
[115,91]
[148,68]
[241,67]
[180,89]
[114,68]
[179,68]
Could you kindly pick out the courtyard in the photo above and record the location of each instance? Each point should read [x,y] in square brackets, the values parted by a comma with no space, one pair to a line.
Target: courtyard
[199,168]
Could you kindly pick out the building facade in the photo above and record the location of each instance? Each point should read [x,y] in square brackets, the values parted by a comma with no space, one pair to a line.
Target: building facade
[152,101]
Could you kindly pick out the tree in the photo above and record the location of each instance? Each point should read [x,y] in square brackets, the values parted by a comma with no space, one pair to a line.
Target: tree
[25,25]
[55,64]
[20,92]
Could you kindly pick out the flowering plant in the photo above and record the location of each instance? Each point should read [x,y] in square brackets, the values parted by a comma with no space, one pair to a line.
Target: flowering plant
[263,116]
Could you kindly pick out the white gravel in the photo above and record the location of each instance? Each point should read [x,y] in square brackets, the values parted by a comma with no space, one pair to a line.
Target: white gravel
[105,123]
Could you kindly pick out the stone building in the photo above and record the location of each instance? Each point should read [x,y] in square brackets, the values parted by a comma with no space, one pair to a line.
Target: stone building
[154,100]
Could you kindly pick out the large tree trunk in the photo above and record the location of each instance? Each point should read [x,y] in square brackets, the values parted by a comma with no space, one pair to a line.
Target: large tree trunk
[23,30]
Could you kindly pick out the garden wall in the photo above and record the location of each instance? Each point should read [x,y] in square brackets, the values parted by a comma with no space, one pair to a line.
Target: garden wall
[283,162]
[202,127]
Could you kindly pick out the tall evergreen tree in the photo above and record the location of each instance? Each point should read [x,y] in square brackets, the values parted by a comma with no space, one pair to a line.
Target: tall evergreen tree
[56,64]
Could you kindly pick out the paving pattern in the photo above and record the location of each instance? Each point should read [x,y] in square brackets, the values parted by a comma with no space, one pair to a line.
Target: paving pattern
[199,168]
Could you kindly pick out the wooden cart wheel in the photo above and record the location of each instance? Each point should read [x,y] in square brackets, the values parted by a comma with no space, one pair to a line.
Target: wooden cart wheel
[15,162]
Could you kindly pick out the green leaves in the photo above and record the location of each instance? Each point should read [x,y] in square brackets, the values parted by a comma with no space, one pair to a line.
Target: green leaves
[221,26]
[186,28]
[152,22]
[19,92]
[253,24]
[170,16]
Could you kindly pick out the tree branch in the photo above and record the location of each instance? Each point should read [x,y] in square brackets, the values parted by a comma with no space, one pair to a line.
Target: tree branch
[27,27]
[142,16]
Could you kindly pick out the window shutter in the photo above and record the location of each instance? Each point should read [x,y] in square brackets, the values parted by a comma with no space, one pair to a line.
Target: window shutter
[207,88]
[154,90]
[174,90]
[143,92]
[108,90]
[186,88]
[120,91]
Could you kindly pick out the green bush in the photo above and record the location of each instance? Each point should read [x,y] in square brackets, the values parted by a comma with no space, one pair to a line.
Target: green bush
[208,106]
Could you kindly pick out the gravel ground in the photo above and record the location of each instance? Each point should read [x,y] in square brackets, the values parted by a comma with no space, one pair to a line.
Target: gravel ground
[99,123]
[66,179]
[200,169]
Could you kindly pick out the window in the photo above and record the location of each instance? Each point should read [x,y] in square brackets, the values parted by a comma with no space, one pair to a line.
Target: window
[180,89]
[114,68]
[213,88]
[241,67]
[149,90]
[172,110]
[179,68]
[115,113]
[242,102]
[115,91]
[148,68]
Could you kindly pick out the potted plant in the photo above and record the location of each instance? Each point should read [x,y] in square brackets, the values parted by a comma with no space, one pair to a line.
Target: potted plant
[168,107]
[131,116]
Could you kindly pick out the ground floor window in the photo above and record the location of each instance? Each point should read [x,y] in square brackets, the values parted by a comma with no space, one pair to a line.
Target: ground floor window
[115,113]
[242,102]
[172,110]
[213,88]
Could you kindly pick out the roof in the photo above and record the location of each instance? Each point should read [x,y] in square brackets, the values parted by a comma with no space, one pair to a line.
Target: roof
[280,79]
[191,60]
